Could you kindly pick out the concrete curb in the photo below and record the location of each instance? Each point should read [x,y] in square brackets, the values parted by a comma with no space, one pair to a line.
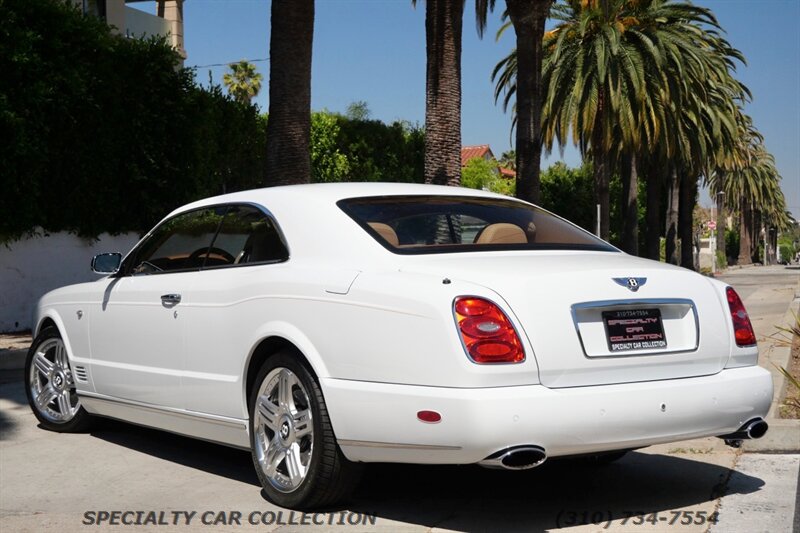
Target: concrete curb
[784,434]
[779,356]
[783,437]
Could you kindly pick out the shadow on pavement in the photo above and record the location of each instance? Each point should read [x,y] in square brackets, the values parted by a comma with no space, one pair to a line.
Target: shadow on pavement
[208,457]
[13,392]
[466,498]
[557,494]
[471,498]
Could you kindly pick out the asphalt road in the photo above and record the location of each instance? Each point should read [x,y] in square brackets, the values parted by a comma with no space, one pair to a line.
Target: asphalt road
[55,482]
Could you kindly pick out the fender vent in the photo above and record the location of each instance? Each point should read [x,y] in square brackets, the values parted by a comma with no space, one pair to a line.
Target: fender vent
[81,375]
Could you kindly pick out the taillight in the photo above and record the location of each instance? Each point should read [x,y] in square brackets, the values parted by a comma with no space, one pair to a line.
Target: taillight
[487,333]
[742,328]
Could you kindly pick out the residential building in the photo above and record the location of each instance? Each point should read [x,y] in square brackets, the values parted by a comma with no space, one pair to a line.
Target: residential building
[135,23]
[483,151]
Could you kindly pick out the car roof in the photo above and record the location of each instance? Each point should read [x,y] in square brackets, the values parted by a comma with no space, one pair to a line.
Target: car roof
[315,228]
[333,192]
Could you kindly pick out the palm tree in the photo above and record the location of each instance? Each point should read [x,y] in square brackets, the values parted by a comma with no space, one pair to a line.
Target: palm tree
[751,186]
[443,29]
[619,76]
[592,78]
[243,81]
[508,159]
[443,23]
[528,18]
[288,158]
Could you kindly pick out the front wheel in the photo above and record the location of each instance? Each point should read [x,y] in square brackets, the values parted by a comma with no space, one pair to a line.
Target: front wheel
[294,449]
[50,385]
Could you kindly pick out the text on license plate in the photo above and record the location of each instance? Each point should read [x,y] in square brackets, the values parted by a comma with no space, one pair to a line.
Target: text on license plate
[634,329]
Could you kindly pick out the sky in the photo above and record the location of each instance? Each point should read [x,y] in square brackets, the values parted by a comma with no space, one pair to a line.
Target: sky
[374,51]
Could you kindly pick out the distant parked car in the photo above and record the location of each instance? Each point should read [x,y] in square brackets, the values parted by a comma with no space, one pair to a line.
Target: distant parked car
[323,326]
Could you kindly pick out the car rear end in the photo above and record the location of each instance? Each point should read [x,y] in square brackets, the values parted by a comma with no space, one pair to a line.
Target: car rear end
[617,352]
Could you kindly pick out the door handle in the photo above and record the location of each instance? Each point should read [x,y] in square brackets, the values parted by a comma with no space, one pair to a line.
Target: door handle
[170,299]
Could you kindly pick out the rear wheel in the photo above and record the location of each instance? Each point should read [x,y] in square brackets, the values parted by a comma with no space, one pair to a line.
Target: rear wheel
[50,385]
[294,449]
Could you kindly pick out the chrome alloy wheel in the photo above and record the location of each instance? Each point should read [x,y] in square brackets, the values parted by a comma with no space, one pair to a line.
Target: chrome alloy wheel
[51,383]
[283,430]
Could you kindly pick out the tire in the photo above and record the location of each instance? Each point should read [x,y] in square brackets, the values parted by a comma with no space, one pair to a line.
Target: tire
[294,449]
[50,386]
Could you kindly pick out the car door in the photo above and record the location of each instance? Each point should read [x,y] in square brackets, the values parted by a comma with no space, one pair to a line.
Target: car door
[228,306]
[137,330]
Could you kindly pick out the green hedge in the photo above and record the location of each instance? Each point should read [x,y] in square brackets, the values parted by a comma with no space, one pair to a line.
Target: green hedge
[105,133]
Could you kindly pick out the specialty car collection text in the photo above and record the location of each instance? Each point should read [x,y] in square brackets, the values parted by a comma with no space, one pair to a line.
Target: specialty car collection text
[224,518]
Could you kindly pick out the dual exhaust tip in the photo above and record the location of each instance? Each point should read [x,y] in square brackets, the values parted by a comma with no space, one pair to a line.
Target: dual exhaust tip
[531,456]
[516,458]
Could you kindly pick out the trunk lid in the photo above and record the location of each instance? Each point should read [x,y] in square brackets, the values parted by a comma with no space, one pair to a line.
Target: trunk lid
[569,306]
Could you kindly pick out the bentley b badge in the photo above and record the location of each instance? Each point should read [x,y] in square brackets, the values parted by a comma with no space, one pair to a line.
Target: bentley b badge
[632,284]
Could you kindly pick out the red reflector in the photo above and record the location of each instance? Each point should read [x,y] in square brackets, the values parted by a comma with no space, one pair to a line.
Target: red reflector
[742,328]
[487,333]
[430,417]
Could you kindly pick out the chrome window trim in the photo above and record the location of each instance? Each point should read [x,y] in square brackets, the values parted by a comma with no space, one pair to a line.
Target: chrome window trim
[634,303]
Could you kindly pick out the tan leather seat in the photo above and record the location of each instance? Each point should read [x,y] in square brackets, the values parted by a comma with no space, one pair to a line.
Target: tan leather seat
[385,231]
[501,233]
[264,245]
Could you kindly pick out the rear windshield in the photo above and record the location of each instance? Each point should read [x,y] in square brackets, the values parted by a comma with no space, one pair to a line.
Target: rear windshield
[437,224]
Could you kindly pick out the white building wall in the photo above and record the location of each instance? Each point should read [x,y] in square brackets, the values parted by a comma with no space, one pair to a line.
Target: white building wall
[139,24]
[33,266]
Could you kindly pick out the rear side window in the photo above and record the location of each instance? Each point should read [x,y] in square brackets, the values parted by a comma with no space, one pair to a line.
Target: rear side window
[247,235]
[437,224]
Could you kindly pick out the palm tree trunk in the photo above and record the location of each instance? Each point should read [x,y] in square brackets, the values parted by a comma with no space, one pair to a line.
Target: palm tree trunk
[601,189]
[289,123]
[630,199]
[654,181]
[721,221]
[745,235]
[443,22]
[688,196]
[671,230]
[755,235]
[602,172]
[773,245]
[528,18]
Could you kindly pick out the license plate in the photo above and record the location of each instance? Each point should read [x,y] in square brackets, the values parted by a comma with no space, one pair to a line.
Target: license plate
[634,329]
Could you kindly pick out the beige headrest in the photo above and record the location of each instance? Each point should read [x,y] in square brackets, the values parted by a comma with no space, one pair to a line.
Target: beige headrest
[501,233]
[385,231]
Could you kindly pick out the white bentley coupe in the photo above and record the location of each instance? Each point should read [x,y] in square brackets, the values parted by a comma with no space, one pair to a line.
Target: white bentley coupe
[325,326]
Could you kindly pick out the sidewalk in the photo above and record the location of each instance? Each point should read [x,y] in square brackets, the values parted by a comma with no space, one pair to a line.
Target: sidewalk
[768,308]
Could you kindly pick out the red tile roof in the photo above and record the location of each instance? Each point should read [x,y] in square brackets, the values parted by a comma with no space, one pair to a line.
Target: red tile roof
[471,152]
[507,173]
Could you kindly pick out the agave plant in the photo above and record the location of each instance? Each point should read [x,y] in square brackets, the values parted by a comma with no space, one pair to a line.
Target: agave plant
[784,336]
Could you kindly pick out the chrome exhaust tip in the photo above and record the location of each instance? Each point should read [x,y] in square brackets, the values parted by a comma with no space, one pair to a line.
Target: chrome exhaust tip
[516,458]
[756,429]
[752,429]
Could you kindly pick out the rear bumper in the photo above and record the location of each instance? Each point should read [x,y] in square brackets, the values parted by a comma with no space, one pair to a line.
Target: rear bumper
[377,422]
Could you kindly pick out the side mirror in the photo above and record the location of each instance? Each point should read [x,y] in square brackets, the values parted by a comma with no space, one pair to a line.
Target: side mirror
[106,263]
